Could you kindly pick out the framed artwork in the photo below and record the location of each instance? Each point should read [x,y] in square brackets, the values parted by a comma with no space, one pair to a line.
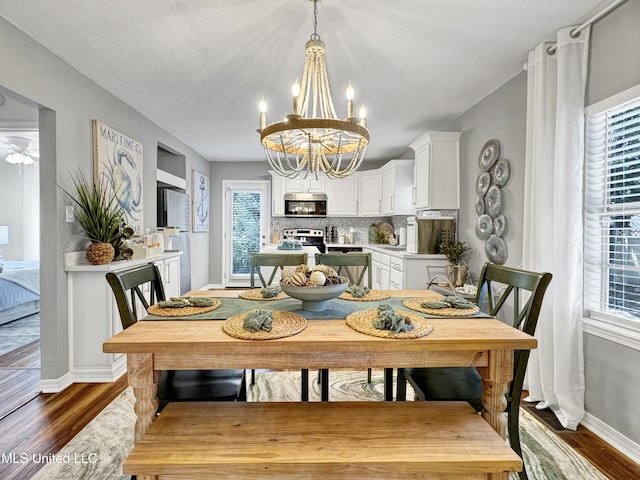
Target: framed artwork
[200,186]
[117,163]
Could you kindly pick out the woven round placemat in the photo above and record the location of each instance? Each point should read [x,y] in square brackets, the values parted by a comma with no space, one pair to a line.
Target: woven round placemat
[285,324]
[256,294]
[414,304]
[362,322]
[371,296]
[181,311]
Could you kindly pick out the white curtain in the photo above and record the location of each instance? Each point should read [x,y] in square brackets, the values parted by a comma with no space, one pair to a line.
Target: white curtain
[552,220]
[31,214]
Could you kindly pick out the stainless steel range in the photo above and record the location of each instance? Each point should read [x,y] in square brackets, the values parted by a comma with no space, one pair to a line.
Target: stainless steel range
[308,237]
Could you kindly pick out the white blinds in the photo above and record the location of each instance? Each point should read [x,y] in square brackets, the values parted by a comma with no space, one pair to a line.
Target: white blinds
[612,211]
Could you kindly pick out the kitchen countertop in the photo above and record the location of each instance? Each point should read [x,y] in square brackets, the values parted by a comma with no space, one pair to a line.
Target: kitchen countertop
[394,251]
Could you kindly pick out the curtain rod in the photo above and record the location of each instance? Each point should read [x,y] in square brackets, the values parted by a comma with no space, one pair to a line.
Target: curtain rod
[576,31]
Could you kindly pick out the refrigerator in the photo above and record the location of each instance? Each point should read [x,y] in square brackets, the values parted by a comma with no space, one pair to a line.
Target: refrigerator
[174,211]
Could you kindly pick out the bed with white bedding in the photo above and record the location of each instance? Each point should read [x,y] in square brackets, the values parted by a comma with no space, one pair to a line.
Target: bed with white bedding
[19,289]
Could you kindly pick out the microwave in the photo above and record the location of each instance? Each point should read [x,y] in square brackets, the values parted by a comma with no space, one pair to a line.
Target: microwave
[424,235]
[305,205]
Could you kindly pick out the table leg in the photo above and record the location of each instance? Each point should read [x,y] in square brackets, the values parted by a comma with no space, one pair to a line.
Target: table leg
[495,381]
[144,381]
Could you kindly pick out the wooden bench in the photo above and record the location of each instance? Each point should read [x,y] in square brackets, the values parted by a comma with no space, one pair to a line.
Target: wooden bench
[337,440]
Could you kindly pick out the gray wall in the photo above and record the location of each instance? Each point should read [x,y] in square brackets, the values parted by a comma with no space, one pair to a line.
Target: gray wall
[612,386]
[501,115]
[68,103]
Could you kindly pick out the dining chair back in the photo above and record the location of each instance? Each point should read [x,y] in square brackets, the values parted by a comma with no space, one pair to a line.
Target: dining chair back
[137,288]
[498,287]
[344,263]
[276,260]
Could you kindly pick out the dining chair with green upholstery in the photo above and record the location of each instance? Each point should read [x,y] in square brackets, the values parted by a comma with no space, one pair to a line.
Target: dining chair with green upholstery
[135,289]
[277,261]
[498,286]
[344,264]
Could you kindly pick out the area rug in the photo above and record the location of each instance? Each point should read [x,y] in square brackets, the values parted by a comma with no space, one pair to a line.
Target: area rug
[19,333]
[99,450]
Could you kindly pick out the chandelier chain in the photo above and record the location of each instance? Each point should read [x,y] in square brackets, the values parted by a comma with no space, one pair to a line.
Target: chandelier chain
[314,35]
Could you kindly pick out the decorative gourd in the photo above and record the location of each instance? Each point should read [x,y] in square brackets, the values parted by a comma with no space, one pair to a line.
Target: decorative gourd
[299,279]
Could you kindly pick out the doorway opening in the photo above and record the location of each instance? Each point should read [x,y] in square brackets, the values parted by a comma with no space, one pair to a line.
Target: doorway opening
[20,255]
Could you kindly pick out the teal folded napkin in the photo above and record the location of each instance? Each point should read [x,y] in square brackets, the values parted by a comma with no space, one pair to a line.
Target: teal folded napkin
[270,292]
[174,303]
[180,302]
[258,320]
[449,302]
[388,319]
[358,291]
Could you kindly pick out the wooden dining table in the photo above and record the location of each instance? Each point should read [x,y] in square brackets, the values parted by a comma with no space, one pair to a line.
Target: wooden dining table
[483,342]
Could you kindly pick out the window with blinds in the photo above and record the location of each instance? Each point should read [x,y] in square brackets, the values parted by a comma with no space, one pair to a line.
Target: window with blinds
[612,212]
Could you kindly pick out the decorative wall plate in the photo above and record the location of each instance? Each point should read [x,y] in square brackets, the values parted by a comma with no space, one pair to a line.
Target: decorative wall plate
[500,172]
[479,205]
[484,227]
[499,223]
[483,183]
[489,154]
[496,249]
[493,200]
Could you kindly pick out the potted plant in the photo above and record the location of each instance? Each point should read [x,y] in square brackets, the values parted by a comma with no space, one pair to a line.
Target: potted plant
[456,253]
[100,217]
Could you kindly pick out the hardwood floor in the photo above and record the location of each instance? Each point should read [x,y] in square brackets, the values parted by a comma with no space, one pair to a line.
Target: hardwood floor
[46,422]
[19,377]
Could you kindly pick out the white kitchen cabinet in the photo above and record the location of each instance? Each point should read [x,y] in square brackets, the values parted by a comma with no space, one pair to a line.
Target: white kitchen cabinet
[342,196]
[437,171]
[93,313]
[278,187]
[311,184]
[397,270]
[384,271]
[397,187]
[379,269]
[369,196]
[170,271]
[396,273]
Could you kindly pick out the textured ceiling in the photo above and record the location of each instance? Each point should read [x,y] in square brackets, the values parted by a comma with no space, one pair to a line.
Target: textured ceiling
[197,68]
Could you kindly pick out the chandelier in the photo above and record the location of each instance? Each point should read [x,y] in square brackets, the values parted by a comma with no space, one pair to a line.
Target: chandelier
[312,138]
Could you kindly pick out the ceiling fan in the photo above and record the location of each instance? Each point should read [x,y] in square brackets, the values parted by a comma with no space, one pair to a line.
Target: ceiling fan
[19,150]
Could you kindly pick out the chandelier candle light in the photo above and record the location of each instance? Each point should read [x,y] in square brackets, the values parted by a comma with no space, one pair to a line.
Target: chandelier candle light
[301,144]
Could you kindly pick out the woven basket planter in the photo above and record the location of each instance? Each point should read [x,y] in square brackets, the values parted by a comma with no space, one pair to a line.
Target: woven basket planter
[100,253]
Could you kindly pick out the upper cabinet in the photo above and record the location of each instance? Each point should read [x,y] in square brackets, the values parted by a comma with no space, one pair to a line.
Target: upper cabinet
[437,171]
[311,184]
[370,193]
[278,186]
[397,188]
[281,185]
[342,196]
